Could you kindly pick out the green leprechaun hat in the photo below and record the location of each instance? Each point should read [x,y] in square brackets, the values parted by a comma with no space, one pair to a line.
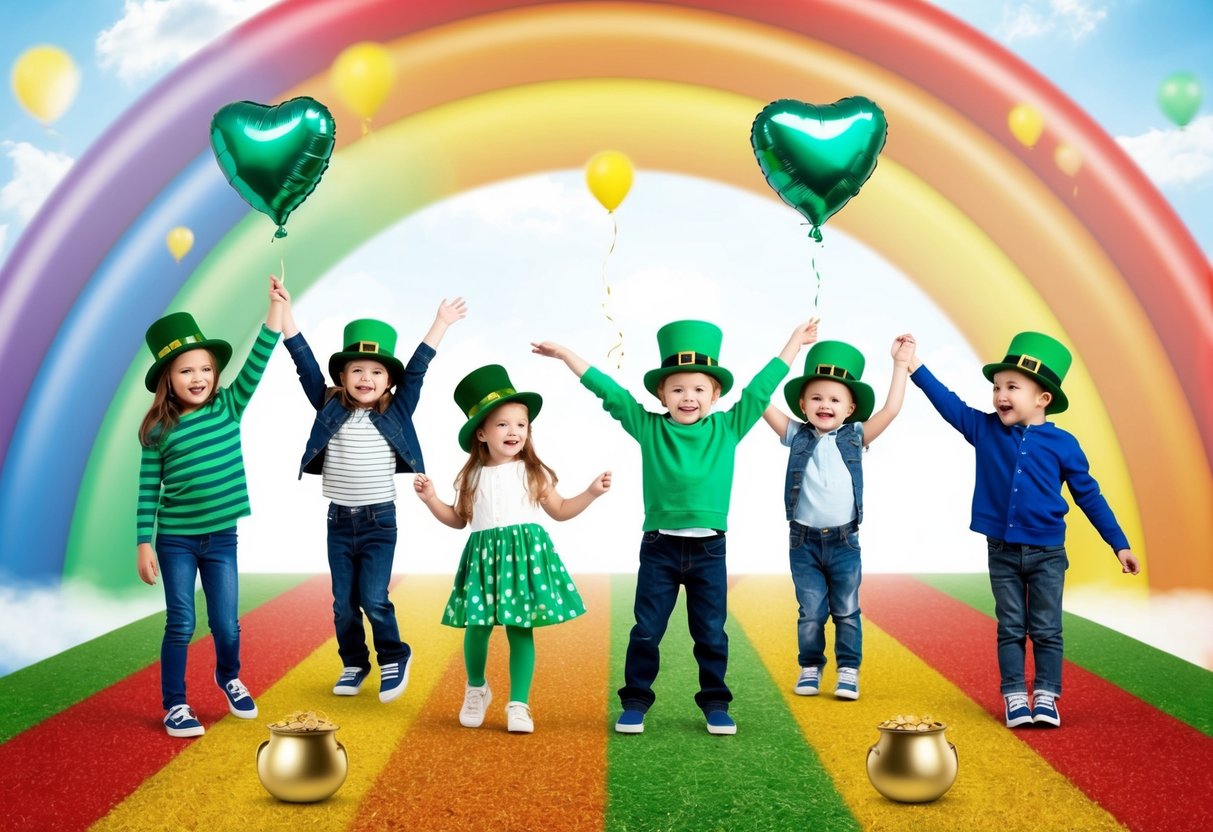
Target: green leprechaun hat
[1040,357]
[177,333]
[484,389]
[689,347]
[837,361]
[367,338]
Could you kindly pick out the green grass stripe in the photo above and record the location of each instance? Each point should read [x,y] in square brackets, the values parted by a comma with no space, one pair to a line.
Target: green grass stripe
[54,684]
[1174,686]
[675,776]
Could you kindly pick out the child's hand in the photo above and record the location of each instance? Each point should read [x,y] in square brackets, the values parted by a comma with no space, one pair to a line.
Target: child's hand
[805,333]
[549,349]
[145,563]
[278,292]
[601,484]
[452,310]
[903,350]
[1128,562]
[424,488]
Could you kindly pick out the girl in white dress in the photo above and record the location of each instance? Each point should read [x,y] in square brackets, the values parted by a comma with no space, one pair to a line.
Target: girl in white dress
[510,574]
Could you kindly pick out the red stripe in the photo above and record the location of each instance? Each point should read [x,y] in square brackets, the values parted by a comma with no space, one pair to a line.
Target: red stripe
[1148,769]
[69,771]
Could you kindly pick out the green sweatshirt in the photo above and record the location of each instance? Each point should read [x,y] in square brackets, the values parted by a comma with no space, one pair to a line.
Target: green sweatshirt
[193,482]
[688,469]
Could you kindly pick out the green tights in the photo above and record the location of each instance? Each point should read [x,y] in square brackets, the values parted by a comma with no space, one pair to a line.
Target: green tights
[522,658]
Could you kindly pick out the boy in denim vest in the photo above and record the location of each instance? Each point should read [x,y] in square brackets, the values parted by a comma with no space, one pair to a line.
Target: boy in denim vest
[823,498]
[687,457]
[1022,462]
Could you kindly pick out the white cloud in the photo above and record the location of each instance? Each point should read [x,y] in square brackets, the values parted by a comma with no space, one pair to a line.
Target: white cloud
[541,206]
[155,34]
[35,174]
[43,622]
[1078,18]
[1174,157]
[1179,622]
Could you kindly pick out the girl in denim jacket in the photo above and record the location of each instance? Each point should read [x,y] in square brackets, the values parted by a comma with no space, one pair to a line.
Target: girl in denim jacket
[363,434]
[823,498]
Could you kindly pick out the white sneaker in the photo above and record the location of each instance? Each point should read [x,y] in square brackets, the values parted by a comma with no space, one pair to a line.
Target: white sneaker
[848,683]
[475,703]
[518,718]
[809,683]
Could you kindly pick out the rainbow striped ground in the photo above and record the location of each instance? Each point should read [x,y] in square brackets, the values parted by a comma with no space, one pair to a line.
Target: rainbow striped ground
[81,745]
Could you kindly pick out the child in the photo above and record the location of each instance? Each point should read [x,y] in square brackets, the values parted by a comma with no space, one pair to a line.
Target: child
[823,498]
[509,573]
[687,457]
[1022,461]
[192,491]
[363,434]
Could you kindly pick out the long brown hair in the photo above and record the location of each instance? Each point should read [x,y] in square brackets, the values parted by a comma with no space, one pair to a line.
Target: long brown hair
[539,476]
[165,411]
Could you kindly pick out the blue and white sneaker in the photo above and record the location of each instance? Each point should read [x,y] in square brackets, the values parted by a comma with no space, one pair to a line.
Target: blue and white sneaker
[719,722]
[181,722]
[351,681]
[848,683]
[1044,708]
[1018,712]
[809,683]
[239,700]
[631,721]
[393,679]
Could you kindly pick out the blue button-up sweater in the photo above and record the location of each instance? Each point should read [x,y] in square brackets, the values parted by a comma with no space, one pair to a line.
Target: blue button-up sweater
[1020,471]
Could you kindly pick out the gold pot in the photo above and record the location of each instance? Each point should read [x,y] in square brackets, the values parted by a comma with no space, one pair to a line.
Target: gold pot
[301,767]
[912,766]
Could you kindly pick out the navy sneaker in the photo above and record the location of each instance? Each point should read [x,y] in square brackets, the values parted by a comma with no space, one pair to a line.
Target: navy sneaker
[848,683]
[181,722]
[1018,712]
[809,683]
[393,679]
[351,681]
[631,721]
[719,722]
[239,700]
[1044,708]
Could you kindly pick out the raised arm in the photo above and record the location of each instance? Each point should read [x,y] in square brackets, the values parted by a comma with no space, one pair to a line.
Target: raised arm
[802,335]
[448,313]
[558,508]
[777,419]
[446,515]
[903,354]
[287,326]
[574,361]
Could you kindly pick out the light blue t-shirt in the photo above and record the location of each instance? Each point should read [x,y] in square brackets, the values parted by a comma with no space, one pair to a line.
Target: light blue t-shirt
[826,495]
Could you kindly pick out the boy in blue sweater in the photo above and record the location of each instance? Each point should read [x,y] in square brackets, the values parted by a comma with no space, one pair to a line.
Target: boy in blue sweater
[1022,462]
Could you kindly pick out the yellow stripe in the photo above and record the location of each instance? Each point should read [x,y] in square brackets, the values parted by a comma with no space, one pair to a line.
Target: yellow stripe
[213,784]
[997,773]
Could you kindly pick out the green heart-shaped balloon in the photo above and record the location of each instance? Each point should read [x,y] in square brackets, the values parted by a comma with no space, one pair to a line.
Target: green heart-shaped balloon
[817,156]
[275,155]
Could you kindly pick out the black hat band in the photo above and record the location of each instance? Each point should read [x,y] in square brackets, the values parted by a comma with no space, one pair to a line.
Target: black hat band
[369,347]
[834,371]
[689,358]
[1033,365]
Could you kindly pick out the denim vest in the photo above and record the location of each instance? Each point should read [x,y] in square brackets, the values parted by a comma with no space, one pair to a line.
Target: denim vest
[850,445]
[395,424]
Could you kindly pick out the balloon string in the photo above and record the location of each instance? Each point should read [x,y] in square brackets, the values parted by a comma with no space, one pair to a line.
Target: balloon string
[607,290]
[282,271]
[817,296]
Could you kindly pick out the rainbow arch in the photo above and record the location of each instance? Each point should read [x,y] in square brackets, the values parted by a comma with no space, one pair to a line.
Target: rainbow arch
[980,223]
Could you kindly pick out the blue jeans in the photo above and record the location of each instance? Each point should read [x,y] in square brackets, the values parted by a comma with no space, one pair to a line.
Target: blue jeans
[362,543]
[826,572]
[1027,582]
[667,562]
[183,557]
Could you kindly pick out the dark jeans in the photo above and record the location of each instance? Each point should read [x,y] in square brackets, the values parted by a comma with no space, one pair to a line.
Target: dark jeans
[826,572]
[362,543]
[1027,582]
[667,562]
[183,557]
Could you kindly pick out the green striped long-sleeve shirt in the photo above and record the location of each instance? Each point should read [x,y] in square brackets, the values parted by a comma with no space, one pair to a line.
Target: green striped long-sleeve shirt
[192,482]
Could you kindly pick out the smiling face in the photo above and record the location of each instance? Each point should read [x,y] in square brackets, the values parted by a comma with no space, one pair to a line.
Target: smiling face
[688,396]
[505,431]
[365,381]
[826,403]
[1019,399]
[192,378]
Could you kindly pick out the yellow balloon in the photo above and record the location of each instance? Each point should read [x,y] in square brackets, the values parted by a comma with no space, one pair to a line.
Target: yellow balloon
[45,80]
[609,177]
[363,75]
[179,241]
[1026,124]
[1068,159]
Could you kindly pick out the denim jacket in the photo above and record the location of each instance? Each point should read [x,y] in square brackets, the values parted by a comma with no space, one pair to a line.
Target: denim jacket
[850,445]
[395,423]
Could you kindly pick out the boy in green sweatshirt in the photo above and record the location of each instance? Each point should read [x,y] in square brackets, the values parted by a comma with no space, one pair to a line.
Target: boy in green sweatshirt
[687,462]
